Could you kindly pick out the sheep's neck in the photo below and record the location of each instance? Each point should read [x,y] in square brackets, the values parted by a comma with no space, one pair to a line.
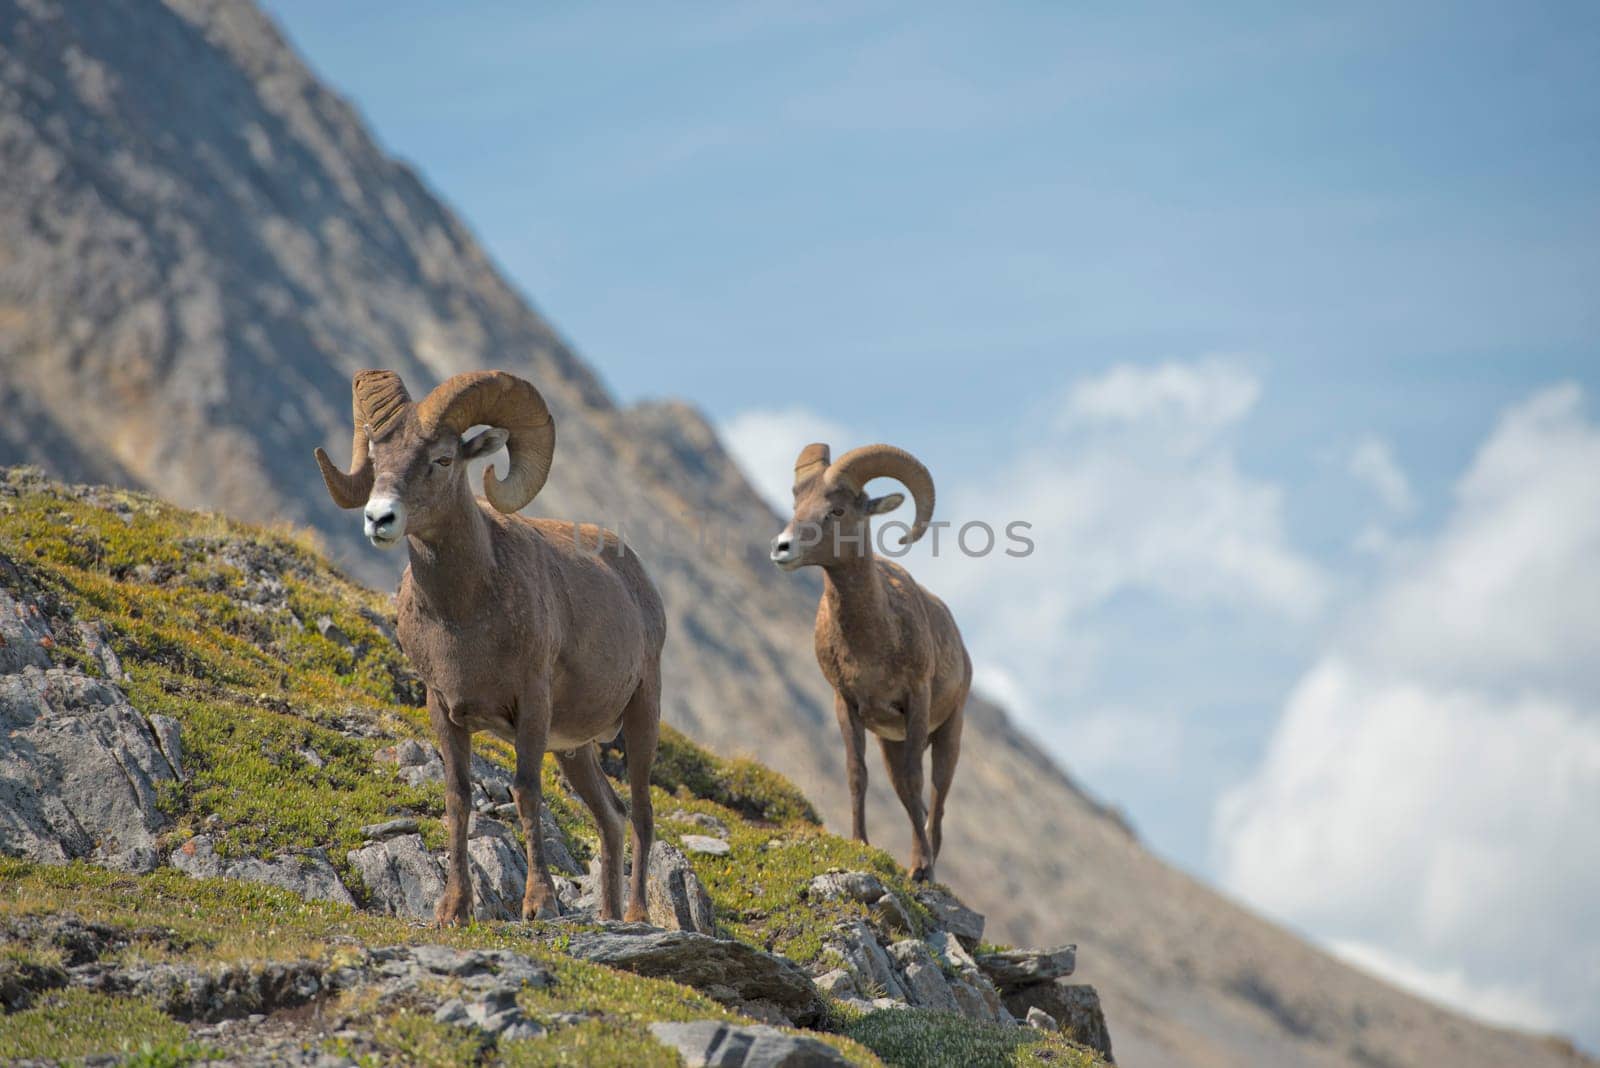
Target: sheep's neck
[854,591]
[452,563]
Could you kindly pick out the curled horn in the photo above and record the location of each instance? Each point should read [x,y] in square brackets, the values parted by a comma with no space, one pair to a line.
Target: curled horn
[813,460]
[859,466]
[378,399]
[495,398]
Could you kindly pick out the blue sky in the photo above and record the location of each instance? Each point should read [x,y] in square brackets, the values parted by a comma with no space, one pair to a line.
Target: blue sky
[1246,310]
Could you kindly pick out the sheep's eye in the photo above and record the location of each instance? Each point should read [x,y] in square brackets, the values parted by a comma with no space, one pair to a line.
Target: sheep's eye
[837,513]
[443,461]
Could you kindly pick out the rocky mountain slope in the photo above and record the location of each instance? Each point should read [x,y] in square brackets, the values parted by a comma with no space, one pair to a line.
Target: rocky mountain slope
[199,243]
[220,838]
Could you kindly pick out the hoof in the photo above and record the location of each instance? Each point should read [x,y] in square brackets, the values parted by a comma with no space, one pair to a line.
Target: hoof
[451,915]
[637,914]
[548,910]
[923,874]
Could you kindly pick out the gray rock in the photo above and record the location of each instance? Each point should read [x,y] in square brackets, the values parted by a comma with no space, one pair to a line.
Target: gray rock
[677,900]
[923,979]
[1013,968]
[716,1044]
[891,913]
[24,635]
[417,763]
[188,992]
[97,643]
[401,877]
[1040,1020]
[499,871]
[331,631]
[859,886]
[857,944]
[838,983]
[700,843]
[731,972]
[1075,1007]
[78,770]
[389,828]
[972,989]
[169,736]
[704,820]
[951,915]
[308,874]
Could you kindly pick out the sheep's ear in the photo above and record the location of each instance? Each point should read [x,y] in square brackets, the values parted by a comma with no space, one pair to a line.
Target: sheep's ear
[880,505]
[490,441]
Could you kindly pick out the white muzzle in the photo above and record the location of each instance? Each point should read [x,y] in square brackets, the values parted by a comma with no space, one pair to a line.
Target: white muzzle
[384,521]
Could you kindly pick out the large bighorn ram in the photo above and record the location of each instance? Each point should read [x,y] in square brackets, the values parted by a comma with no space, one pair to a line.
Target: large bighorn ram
[889,647]
[517,626]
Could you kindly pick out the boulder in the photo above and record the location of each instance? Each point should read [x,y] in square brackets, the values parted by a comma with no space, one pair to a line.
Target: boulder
[857,945]
[973,991]
[499,868]
[1040,1020]
[678,901]
[79,765]
[951,915]
[25,637]
[309,873]
[740,976]
[718,1044]
[402,878]
[859,886]
[702,843]
[1013,968]
[922,978]
[1075,1007]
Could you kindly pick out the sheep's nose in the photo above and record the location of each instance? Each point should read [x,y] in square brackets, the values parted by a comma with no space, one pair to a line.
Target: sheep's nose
[780,546]
[385,520]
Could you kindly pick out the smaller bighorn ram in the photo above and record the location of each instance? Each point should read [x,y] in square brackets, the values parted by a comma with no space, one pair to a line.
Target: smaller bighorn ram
[889,647]
[517,626]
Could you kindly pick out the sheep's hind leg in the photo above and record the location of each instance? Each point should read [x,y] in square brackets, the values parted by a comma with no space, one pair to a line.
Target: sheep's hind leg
[641,731]
[533,726]
[582,768]
[455,748]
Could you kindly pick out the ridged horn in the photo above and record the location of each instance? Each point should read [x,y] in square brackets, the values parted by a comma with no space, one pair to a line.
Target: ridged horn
[859,466]
[378,400]
[495,398]
[813,460]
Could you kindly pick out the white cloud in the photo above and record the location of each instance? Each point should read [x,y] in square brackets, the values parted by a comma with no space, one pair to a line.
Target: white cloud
[1373,463]
[1432,786]
[765,443]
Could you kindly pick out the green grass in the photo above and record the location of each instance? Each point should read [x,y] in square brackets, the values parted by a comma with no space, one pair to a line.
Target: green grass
[945,1040]
[67,1024]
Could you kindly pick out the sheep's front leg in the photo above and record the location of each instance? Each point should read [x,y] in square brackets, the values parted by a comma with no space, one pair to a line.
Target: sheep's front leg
[903,761]
[855,763]
[533,730]
[455,748]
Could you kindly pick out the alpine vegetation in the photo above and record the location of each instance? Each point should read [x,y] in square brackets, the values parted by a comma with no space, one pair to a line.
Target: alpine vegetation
[890,648]
[512,626]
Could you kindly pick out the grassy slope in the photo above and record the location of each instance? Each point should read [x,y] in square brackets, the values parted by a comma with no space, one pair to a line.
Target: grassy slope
[215,624]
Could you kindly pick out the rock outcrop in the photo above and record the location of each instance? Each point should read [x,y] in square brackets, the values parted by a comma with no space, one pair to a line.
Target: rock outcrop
[765,986]
[715,1044]
[80,768]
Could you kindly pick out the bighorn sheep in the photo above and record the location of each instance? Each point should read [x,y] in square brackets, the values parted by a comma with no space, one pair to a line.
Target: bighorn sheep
[516,625]
[889,647]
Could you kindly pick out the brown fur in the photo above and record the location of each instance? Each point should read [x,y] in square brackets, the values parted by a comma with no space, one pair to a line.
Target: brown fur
[522,628]
[890,649]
